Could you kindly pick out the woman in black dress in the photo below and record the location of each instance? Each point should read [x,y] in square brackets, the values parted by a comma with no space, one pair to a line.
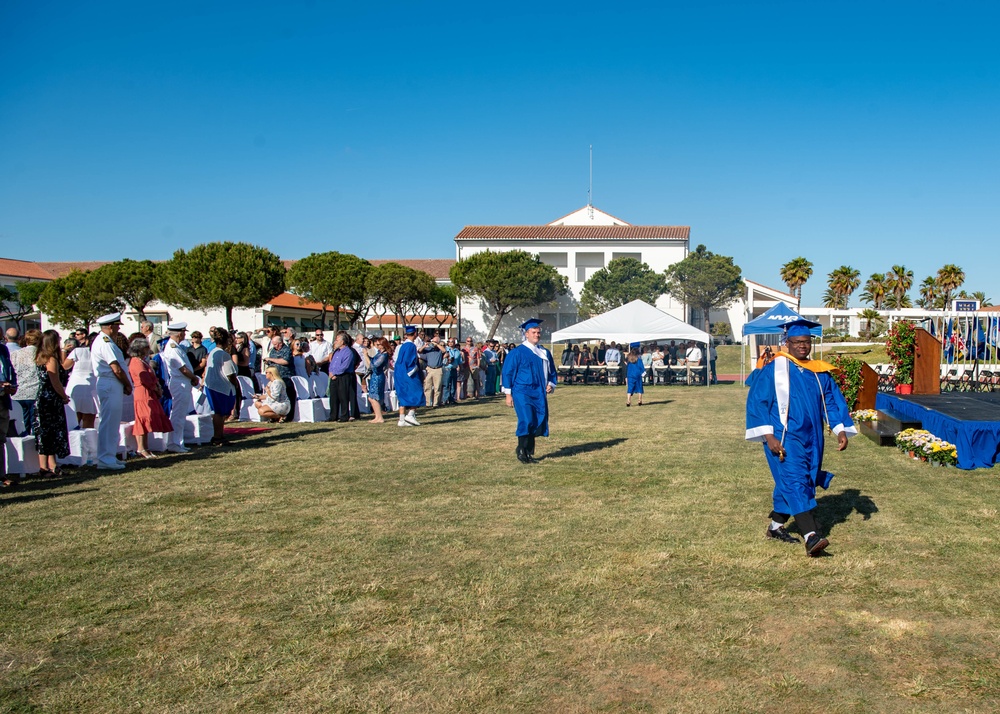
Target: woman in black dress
[51,439]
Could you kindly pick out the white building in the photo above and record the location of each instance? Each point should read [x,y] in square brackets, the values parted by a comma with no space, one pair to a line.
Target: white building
[576,245]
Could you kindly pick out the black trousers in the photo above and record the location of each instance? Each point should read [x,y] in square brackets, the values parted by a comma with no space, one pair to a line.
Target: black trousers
[293,398]
[344,397]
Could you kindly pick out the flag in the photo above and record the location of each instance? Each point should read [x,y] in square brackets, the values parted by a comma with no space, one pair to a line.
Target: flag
[993,334]
[949,342]
[980,340]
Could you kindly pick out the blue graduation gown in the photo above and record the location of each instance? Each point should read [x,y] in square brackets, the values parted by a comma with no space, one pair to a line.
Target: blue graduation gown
[796,479]
[634,374]
[406,376]
[524,375]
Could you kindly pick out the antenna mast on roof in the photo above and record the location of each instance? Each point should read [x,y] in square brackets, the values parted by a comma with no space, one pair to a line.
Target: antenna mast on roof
[590,191]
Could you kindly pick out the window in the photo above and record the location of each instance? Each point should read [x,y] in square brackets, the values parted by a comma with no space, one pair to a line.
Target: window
[556,260]
[587,264]
[637,256]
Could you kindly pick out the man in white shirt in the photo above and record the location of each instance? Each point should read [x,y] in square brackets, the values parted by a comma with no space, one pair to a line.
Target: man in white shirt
[693,357]
[12,337]
[180,379]
[321,350]
[113,384]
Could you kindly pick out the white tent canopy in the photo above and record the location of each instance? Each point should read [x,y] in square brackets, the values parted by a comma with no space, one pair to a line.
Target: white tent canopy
[636,322]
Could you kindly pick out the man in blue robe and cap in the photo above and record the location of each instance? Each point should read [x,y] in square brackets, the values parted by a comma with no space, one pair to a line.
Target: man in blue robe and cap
[409,384]
[789,400]
[529,374]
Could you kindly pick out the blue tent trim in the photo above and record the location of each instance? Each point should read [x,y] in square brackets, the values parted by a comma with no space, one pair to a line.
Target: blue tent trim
[773,321]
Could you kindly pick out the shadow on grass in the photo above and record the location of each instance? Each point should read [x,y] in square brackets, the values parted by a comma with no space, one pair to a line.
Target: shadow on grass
[646,403]
[433,422]
[29,497]
[836,508]
[582,448]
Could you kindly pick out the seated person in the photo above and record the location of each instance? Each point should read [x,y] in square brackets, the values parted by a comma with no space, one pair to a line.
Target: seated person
[568,361]
[586,361]
[273,404]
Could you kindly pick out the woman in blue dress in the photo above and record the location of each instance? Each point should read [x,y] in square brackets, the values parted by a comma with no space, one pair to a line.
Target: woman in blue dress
[376,378]
[635,371]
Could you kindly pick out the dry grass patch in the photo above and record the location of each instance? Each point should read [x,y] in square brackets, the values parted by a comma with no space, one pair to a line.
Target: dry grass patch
[366,568]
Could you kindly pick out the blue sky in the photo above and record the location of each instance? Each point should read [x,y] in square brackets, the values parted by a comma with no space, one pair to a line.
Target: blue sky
[849,133]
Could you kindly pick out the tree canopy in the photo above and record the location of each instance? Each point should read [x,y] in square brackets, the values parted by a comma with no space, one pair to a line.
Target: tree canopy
[133,281]
[399,287]
[505,281]
[795,273]
[222,274]
[16,303]
[705,281]
[77,300]
[332,279]
[619,283]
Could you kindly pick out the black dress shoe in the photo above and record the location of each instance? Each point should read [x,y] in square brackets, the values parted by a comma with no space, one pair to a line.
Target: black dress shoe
[780,534]
[522,456]
[815,545]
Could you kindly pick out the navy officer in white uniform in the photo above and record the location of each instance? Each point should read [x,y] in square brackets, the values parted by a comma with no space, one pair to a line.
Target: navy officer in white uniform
[113,384]
[180,379]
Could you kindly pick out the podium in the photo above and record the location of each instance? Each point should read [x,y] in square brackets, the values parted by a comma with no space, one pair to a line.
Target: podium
[869,388]
[926,363]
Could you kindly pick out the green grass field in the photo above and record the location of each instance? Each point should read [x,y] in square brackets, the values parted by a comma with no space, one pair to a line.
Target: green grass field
[366,568]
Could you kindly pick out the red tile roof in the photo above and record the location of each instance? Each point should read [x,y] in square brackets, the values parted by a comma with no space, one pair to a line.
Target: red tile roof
[62,269]
[544,233]
[437,268]
[292,300]
[24,269]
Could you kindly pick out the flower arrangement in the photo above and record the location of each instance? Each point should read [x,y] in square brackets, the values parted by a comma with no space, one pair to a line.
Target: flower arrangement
[864,415]
[901,348]
[923,445]
[848,378]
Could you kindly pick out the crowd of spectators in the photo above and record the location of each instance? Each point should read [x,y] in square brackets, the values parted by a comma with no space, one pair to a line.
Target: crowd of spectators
[607,362]
[47,373]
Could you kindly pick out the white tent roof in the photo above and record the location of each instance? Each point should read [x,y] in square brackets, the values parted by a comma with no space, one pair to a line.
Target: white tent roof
[636,322]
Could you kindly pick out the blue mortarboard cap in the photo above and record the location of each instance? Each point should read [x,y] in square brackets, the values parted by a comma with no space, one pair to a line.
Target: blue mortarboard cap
[533,322]
[800,328]
[410,329]
[633,345]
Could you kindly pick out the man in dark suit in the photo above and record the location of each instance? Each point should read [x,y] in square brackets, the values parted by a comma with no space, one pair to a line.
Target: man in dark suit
[8,385]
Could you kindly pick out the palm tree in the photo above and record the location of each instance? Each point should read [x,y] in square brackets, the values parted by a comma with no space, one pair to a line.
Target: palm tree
[981,297]
[949,279]
[831,299]
[897,302]
[843,281]
[900,281]
[874,293]
[928,294]
[795,273]
[869,315]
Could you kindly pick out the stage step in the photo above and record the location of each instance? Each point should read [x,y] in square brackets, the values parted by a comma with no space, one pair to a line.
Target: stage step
[891,421]
[877,432]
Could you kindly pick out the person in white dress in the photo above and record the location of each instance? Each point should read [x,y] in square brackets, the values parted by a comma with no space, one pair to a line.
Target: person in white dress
[82,385]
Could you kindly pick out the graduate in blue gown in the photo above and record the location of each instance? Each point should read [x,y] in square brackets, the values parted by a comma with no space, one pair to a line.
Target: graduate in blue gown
[635,370]
[409,385]
[529,374]
[789,401]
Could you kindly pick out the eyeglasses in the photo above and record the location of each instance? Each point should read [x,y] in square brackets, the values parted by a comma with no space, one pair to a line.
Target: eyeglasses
[804,341]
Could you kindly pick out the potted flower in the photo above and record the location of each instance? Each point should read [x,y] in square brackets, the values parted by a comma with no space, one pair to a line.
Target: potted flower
[901,348]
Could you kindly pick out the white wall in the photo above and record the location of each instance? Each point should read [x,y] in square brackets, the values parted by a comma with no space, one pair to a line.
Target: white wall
[658,255]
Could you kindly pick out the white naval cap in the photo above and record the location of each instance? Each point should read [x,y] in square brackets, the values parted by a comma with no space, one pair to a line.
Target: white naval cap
[177,326]
[111,318]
